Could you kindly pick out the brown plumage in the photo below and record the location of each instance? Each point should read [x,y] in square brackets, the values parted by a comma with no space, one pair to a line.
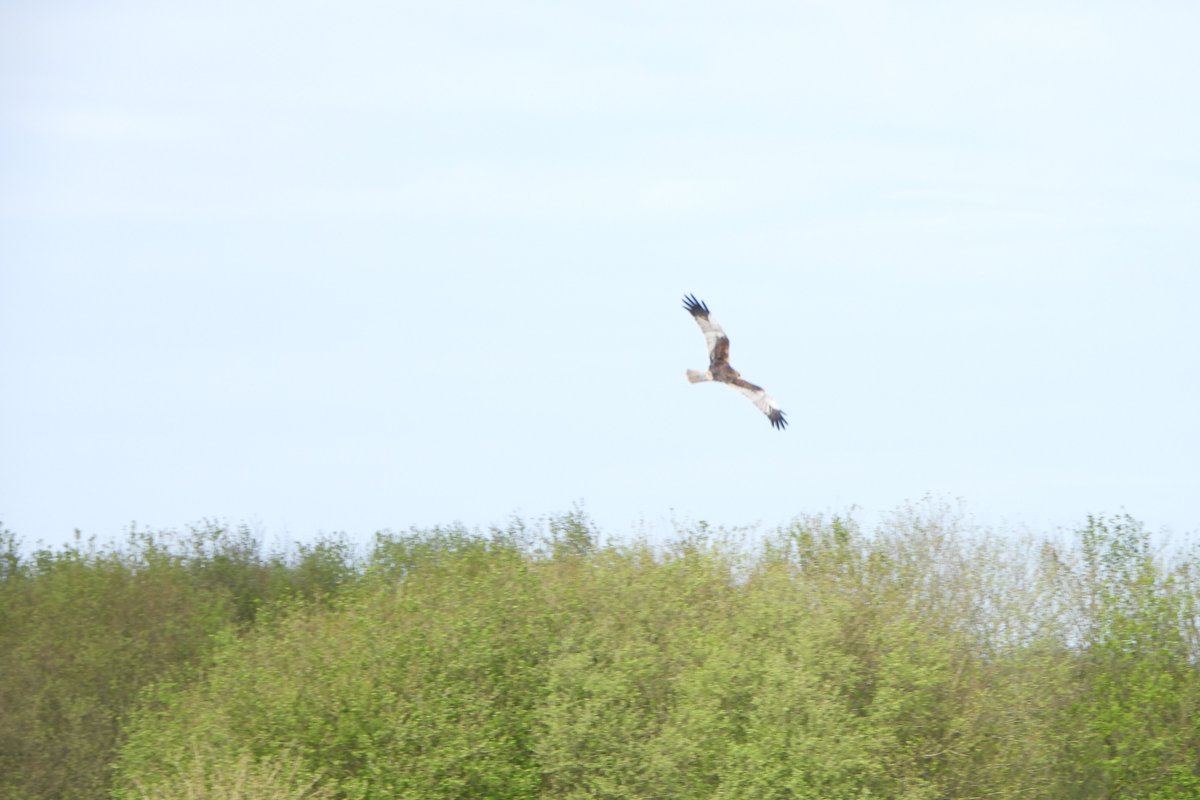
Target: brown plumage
[718,364]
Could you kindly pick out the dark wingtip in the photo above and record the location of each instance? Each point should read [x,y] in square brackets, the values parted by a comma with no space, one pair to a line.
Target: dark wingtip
[693,306]
[777,420]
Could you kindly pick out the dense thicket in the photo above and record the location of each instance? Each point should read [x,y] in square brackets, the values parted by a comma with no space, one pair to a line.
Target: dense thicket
[925,659]
[84,629]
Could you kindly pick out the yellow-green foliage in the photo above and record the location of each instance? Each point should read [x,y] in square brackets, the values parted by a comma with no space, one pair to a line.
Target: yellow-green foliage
[85,629]
[921,660]
[924,661]
[80,634]
[218,776]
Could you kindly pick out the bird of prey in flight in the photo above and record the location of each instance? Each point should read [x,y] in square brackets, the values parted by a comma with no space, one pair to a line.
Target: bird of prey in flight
[718,364]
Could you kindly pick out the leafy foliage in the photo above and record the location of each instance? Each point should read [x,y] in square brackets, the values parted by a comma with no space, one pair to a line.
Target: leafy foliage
[926,659]
[85,629]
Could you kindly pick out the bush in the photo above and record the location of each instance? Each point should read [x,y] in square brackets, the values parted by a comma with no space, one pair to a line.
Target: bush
[927,659]
[83,630]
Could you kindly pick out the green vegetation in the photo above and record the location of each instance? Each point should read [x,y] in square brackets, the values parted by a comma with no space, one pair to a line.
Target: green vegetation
[925,659]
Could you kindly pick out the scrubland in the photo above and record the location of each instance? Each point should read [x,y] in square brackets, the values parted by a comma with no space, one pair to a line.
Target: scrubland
[924,658]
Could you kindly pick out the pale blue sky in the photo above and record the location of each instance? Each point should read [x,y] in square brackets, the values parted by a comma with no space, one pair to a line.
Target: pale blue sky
[352,266]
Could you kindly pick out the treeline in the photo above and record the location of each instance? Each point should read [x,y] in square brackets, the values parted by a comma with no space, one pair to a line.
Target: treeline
[924,659]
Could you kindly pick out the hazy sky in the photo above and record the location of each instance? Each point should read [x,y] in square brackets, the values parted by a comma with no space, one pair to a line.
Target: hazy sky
[351,266]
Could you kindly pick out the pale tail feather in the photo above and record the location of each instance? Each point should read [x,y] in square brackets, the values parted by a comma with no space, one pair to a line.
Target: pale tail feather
[698,376]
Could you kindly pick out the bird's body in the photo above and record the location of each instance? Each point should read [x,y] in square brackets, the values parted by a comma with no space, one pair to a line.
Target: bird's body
[718,364]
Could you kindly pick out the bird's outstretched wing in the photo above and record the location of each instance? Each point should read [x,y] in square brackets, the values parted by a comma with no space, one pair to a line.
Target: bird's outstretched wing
[719,368]
[714,337]
[763,401]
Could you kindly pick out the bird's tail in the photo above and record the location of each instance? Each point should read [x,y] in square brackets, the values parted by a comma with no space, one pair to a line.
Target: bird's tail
[697,376]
